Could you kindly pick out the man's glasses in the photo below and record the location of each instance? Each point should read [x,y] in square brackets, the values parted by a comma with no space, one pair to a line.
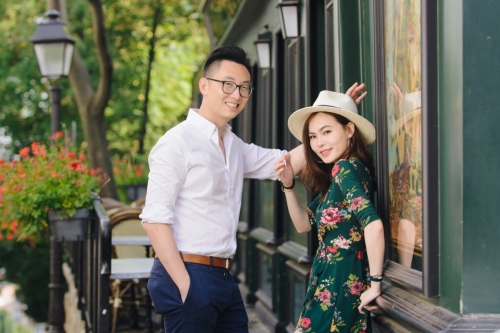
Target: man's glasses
[228,87]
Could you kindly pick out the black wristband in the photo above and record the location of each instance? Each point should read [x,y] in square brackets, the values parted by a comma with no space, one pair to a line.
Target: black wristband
[376,278]
[288,188]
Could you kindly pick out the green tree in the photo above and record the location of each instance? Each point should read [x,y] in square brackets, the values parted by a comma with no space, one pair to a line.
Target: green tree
[24,100]
[145,92]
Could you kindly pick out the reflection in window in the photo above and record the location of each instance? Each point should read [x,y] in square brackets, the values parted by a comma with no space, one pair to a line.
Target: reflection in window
[245,201]
[220,13]
[403,77]
[266,200]
[266,273]
[297,297]
[293,235]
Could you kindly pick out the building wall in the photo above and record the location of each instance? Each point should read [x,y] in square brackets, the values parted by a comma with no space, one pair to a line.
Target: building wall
[481,156]
[468,46]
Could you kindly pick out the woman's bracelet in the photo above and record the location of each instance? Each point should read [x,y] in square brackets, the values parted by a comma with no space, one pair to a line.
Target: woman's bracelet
[289,188]
[376,278]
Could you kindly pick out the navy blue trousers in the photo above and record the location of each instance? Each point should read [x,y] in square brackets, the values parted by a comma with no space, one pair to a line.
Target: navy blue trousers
[213,303]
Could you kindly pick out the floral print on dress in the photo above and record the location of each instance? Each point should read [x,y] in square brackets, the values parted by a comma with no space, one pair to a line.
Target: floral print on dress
[339,274]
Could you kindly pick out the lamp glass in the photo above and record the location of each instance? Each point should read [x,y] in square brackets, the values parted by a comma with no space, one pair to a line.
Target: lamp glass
[68,55]
[289,21]
[263,54]
[50,58]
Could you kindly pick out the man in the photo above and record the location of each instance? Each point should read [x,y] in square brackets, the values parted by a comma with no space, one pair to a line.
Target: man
[193,203]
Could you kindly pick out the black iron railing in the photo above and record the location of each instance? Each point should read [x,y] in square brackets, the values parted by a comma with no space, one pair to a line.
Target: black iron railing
[90,262]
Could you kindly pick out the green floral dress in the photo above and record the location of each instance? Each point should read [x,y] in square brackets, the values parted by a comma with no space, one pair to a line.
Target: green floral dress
[339,272]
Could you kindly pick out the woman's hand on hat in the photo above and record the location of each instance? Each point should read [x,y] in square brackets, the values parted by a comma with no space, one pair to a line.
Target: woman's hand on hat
[284,170]
[356,92]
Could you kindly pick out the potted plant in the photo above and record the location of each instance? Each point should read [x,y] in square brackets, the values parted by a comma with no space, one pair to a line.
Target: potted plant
[131,176]
[46,184]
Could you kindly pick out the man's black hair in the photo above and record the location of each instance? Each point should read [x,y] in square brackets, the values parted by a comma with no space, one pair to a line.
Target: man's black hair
[227,52]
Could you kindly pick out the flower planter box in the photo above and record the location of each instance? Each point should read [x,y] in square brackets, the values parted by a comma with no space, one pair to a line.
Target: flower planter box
[132,192]
[70,229]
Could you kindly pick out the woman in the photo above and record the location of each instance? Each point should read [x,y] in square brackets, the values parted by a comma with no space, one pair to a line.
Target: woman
[339,168]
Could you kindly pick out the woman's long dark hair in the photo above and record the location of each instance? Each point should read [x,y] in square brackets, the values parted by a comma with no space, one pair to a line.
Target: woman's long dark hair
[317,176]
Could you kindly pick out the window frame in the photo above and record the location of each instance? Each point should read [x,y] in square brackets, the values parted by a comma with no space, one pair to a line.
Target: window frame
[427,281]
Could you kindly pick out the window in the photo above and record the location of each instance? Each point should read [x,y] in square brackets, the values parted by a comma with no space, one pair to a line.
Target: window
[264,138]
[405,190]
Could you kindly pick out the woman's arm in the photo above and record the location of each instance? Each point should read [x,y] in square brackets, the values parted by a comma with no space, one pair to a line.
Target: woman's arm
[298,213]
[375,247]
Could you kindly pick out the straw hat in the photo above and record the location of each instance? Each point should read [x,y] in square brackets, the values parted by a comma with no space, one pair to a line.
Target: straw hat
[333,102]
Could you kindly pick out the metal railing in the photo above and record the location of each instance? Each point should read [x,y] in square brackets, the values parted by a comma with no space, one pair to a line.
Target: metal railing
[90,262]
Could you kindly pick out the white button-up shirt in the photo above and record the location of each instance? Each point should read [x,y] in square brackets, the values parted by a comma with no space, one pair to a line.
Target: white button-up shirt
[192,188]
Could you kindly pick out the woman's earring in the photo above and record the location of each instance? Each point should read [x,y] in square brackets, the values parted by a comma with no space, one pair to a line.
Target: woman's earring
[349,144]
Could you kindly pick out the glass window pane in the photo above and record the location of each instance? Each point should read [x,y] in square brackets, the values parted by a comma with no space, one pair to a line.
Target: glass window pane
[403,77]
[297,294]
[266,273]
[245,201]
[266,213]
[293,235]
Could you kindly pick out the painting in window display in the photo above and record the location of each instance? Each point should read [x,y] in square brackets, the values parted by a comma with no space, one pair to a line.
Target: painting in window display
[404,123]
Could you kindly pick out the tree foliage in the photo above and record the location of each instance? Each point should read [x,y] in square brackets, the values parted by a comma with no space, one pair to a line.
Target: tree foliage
[180,48]
[24,98]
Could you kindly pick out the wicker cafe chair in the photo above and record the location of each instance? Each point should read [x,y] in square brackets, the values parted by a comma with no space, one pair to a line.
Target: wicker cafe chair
[110,203]
[139,203]
[130,266]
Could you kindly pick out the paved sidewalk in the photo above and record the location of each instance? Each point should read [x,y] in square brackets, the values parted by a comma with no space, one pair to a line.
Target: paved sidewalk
[255,325]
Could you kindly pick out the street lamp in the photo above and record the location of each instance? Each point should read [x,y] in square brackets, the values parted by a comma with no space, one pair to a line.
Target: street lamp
[289,17]
[54,51]
[263,47]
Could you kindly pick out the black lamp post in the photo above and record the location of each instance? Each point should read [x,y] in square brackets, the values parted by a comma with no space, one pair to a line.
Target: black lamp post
[263,47]
[289,17]
[54,51]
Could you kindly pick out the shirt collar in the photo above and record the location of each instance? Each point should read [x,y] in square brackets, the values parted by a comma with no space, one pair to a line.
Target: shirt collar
[205,126]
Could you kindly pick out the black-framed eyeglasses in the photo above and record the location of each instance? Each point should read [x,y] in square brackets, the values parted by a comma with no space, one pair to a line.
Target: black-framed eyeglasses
[228,87]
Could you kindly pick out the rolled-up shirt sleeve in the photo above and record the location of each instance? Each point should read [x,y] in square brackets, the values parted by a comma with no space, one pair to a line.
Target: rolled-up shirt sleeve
[259,162]
[166,176]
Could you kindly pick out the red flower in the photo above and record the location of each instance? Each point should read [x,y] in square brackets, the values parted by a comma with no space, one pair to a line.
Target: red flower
[332,249]
[77,166]
[330,216]
[58,135]
[361,255]
[35,146]
[356,203]
[324,296]
[335,170]
[23,152]
[306,322]
[356,288]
